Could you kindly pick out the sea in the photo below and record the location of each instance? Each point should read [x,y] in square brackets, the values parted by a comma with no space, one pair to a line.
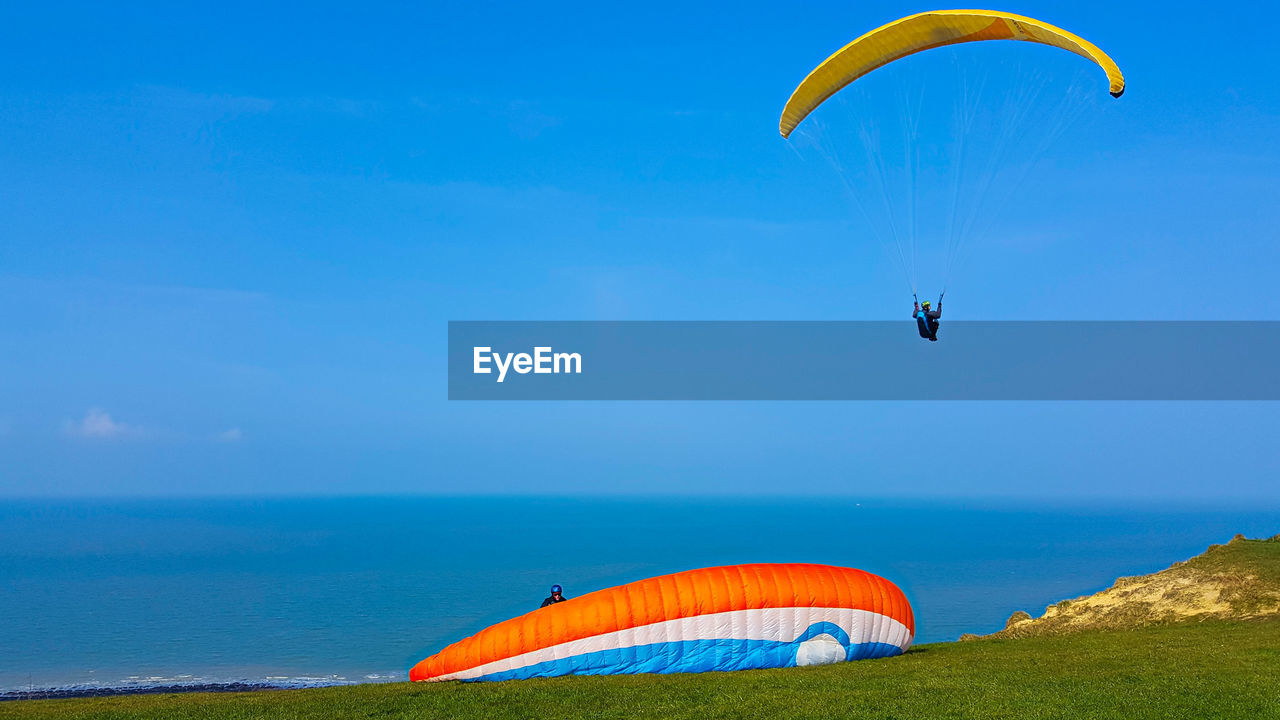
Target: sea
[282,592]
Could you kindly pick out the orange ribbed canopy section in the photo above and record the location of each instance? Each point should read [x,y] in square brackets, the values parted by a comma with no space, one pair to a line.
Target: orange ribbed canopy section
[673,597]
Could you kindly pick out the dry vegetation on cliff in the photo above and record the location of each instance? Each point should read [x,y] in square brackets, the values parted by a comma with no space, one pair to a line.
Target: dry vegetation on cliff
[1236,581]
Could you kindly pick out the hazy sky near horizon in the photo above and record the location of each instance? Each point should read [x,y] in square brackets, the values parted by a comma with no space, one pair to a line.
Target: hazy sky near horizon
[231,238]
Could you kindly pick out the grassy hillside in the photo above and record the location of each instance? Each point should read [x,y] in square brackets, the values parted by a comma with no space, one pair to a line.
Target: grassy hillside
[1158,666]
[1236,581]
[1203,670]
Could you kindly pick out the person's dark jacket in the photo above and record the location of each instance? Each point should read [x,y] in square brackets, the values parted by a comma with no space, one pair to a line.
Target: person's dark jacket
[552,601]
[927,320]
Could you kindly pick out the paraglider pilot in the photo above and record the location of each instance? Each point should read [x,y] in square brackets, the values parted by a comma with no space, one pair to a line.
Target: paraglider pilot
[557,596]
[927,319]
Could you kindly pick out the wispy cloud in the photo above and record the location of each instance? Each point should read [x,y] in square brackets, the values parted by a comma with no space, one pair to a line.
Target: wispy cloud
[229,435]
[98,424]
[218,103]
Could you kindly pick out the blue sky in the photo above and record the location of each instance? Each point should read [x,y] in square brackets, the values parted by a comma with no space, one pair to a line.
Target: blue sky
[231,237]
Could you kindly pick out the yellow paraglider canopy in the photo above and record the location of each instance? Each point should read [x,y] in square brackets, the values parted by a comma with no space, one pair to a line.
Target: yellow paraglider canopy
[926,31]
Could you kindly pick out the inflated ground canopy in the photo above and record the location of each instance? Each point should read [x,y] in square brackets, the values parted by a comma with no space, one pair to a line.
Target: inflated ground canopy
[723,618]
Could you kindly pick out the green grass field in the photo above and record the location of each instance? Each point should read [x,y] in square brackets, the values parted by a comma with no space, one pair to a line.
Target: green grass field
[1195,670]
[1204,670]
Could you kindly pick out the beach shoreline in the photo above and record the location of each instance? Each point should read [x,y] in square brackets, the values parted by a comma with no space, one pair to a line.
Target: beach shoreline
[194,686]
[56,693]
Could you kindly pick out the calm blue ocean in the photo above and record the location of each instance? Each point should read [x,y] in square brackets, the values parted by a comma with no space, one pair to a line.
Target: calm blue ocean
[357,590]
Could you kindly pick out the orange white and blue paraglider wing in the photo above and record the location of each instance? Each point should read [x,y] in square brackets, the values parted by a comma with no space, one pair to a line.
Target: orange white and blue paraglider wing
[724,618]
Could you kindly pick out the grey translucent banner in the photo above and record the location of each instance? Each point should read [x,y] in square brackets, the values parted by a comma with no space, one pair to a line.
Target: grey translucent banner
[863,361]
